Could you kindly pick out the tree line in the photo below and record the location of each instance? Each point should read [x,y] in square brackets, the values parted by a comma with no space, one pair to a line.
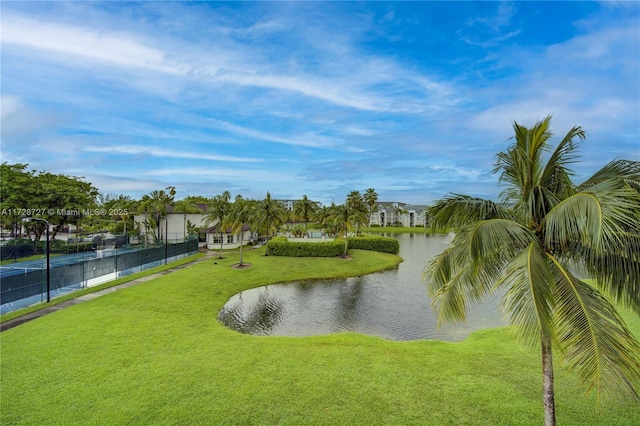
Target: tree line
[65,201]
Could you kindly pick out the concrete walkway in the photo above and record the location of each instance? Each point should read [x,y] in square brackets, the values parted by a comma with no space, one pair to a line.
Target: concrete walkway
[37,314]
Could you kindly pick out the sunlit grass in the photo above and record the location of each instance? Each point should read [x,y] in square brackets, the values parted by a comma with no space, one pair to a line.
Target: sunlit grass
[155,354]
[57,300]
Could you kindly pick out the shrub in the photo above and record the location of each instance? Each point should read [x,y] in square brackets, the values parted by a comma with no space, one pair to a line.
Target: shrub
[79,247]
[375,243]
[279,246]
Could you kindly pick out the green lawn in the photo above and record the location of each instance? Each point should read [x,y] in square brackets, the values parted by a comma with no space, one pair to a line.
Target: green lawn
[155,354]
[57,300]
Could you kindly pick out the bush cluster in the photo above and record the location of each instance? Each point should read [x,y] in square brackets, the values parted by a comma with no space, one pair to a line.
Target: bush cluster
[78,247]
[279,246]
[375,243]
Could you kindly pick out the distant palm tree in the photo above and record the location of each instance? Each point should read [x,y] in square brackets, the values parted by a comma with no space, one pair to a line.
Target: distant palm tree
[219,209]
[243,212]
[370,197]
[305,210]
[324,213]
[270,212]
[527,246]
[185,207]
[357,207]
[156,202]
[343,219]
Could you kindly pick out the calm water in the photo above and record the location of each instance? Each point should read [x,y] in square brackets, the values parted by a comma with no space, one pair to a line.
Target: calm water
[391,304]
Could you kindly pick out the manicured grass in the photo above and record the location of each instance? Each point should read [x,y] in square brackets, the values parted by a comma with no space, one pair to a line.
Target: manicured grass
[19,312]
[154,353]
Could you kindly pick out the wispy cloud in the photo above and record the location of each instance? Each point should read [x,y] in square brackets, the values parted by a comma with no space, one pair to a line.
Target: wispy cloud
[169,153]
[104,46]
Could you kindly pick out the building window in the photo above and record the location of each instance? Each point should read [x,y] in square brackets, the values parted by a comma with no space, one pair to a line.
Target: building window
[217,239]
[229,239]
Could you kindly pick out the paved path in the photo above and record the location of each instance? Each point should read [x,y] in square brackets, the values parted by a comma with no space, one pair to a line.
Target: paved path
[37,314]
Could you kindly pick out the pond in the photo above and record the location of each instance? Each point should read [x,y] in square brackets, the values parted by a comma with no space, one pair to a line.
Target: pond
[391,304]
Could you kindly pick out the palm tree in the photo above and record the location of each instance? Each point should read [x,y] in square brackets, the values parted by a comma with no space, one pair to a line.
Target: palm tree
[219,209]
[156,202]
[323,214]
[243,211]
[527,247]
[341,220]
[305,210]
[356,205]
[185,206]
[270,212]
[370,197]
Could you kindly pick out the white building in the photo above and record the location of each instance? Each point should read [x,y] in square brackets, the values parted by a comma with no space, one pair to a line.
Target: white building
[228,239]
[399,214]
[174,225]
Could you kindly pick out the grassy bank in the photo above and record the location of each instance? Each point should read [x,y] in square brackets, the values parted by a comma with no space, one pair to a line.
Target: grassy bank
[19,312]
[155,354]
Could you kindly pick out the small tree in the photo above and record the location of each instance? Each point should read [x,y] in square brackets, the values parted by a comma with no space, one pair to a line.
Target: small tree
[219,209]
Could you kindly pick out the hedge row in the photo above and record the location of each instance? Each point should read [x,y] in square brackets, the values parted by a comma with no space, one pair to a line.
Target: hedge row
[279,246]
[375,243]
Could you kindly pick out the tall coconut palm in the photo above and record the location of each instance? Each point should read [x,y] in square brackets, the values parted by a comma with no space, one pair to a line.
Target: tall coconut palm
[270,213]
[219,209]
[370,197]
[305,210]
[528,246]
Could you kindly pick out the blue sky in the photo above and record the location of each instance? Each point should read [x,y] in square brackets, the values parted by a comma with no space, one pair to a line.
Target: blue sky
[413,99]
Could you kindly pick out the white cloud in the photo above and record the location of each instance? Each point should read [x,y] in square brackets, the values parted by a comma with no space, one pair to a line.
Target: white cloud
[236,174]
[161,152]
[114,48]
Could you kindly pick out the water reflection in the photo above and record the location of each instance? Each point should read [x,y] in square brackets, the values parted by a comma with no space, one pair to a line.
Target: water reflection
[391,304]
[254,318]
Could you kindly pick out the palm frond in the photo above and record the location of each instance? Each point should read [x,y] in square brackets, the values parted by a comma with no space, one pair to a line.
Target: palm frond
[619,170]
[457,210]
[556,177]
[617,271]
[494,242]
[452,284]
[599,217]
[529,297]
[592,336]
[466,272]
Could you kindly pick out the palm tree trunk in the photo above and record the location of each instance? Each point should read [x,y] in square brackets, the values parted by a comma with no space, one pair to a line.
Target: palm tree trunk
[547,382]
[241,235]
[221,240]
